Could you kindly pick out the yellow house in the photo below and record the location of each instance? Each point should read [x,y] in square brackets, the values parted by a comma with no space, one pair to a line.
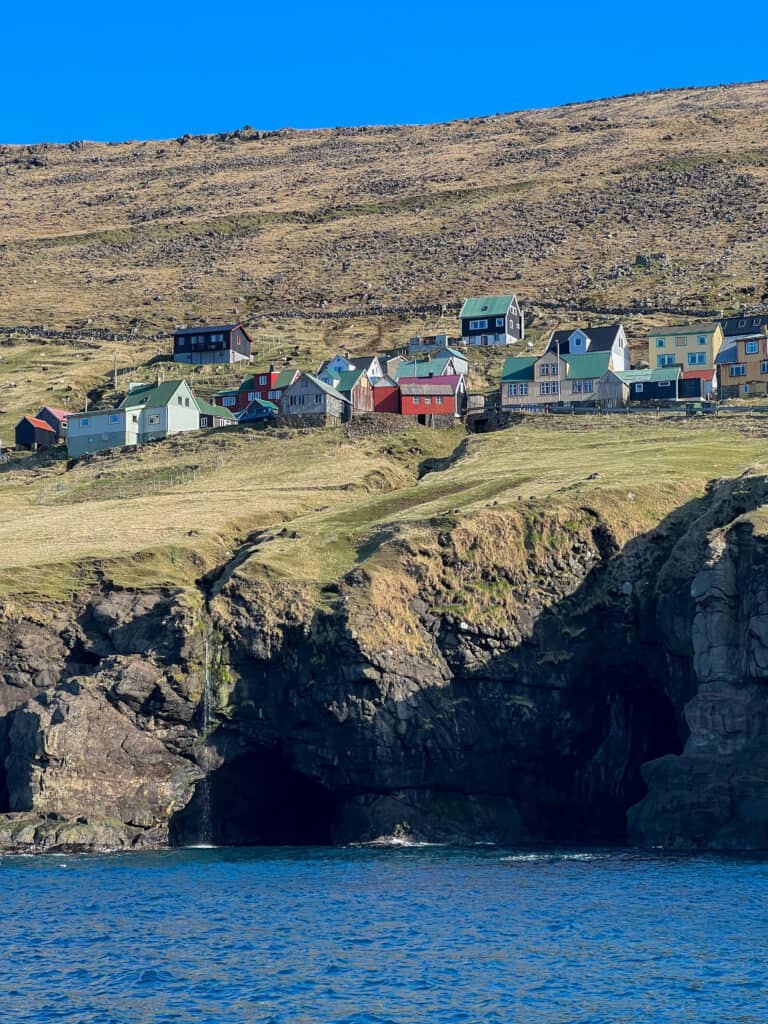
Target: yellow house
[747,371]
[693,346]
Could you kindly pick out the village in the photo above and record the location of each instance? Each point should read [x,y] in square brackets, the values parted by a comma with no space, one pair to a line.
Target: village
[425,380]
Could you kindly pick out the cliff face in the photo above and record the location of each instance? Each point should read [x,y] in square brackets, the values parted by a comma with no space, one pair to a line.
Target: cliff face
[515,675]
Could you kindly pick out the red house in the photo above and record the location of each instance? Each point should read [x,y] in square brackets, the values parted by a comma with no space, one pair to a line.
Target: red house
[268,387]
[386,395]
[432,396]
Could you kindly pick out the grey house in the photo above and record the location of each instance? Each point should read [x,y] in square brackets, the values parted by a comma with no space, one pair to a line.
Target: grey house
[310,402]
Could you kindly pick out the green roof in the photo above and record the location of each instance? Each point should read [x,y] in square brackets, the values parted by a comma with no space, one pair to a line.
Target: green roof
[425,368]
[326,387]
[518,368]
[658,373]
[706,328]
[284,379]
[348,379]
[151,396]
[485,306]
[588,365]
[223,394]
[208,409]
[264,404]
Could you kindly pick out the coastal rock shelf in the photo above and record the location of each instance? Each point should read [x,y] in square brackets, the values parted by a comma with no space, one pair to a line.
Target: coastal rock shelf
[516,675]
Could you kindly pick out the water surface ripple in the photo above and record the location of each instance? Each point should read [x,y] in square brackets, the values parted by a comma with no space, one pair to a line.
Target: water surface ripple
[383,937]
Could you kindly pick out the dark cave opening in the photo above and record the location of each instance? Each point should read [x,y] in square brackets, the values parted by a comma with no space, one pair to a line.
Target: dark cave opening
[5,796]
[257,799]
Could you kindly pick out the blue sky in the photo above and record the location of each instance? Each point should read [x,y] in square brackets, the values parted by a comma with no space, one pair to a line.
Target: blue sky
[157,70]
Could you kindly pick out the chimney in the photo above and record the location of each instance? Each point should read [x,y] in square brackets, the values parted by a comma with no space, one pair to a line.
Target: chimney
[271,367]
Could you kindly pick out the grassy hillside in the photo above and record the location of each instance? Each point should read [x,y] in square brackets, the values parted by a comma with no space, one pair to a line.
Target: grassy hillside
[644,203]
[308,506]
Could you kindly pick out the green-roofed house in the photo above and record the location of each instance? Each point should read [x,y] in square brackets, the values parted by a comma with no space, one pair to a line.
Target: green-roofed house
[531,383]
[654,384]
[147,413]
[310,402]
[214,415]
[355,385]
[443,366]
[492,320]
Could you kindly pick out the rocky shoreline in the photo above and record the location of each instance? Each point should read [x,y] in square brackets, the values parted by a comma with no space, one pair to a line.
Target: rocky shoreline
[592,691]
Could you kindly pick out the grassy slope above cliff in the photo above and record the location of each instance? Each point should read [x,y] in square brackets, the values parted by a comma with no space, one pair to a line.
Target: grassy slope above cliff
[323,502]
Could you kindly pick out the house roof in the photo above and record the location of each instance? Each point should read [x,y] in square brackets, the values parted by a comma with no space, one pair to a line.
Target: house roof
[485,306]
[601,339]
[40,424]
[207,409]
[364,361]
[737,325]
[727,354]
[431,385]
[425,368]
[698,374]
[587,365]
[349,379]
[518,368]
[208,329]
[705,328]
[60,414]
[285,378]
[326,387]
[258,405]
[651,374]
[151,396]
[453,352]
[385,382]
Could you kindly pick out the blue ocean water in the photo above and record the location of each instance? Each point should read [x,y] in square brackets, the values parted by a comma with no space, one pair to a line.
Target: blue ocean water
[365,936]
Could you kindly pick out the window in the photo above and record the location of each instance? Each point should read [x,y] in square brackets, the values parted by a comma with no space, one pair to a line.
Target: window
[659,343]
[544,388]
[154,419]
[737,370]
[114,419]
[544,370]
[229,400]
[85,422]
[134,419]
[742,323]
[439,400]
[499,321]
[273,394]
[417,399]
[638,388]
[664,383]
[751,347]
[681,342]
[764,366]
[478,325]
[427,400]
[697,358]
[702,340]
[589,386]
[576,387]
[263,379]
[252,395]
[523,389]
[511,390]
[554,369]
[555,387]
[179,400]
[186,402]
[665,360]
[756,322]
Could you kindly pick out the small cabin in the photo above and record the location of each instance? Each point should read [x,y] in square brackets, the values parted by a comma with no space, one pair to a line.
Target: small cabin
[492,320]
[214,415]
[33,433]
[430,397]
[355,385]
[311,402]
[226,343]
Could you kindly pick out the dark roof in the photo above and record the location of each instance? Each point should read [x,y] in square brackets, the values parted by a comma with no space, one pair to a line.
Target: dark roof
[363,360]
[736,325]
[601,339]
[40,424]
[208,329]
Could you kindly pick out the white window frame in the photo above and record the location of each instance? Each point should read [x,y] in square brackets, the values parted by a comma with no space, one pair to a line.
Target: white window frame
[751,348]
[478,325]
[737,370]
[639,387]
[523,389]
[544,387]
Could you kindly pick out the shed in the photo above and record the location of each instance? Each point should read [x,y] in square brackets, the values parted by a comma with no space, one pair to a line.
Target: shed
[33,433]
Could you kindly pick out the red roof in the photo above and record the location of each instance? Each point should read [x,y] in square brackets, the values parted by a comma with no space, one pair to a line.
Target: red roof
[60,414]
[698,374]
[40,424]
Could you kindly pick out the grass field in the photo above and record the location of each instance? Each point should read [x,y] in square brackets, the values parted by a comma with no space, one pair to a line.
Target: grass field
[168,513]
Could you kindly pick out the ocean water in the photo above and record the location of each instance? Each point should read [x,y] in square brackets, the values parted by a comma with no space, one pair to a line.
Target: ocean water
[365,936]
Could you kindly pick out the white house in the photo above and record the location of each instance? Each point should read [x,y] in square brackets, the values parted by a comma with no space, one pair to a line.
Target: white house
[583,340]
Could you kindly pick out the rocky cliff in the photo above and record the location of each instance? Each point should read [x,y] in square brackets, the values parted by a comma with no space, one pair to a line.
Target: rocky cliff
[523,674]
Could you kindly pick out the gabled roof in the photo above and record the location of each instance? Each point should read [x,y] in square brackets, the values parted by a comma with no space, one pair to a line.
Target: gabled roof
[651,374]
[454,352]
[258,408]
[285,378]
[151,396]
[349,379]
[40,424]
[601,339]
[385,382]
[207,409]
[486,305]
[425,368]
[364,361]
[698,374]
[737,325]
[587,365]
[60,414]
[431,385]
[727,354]
[705,328]
[518,368]
[208,329]
[326,388]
